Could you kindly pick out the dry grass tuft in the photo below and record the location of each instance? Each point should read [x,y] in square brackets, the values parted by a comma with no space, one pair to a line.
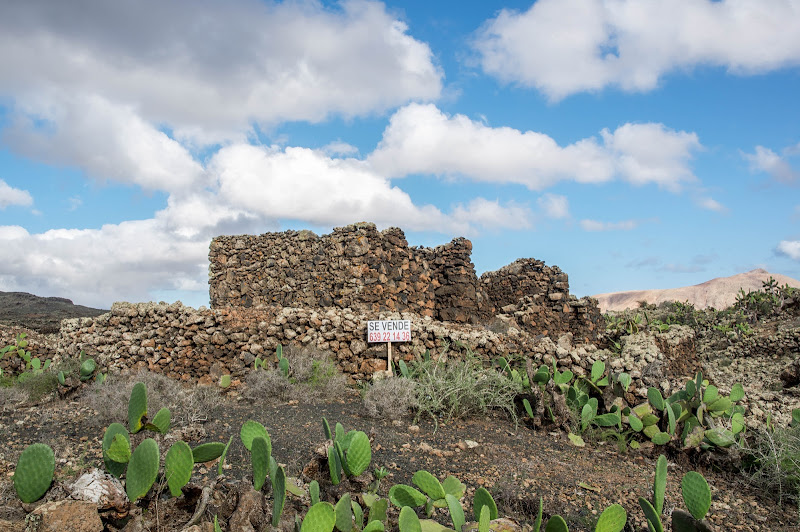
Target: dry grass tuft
[390,398]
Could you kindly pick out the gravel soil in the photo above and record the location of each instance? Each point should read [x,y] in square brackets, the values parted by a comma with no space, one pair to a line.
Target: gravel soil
[516,463]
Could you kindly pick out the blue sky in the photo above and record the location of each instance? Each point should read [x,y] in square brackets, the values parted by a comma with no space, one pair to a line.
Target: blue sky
[633,144]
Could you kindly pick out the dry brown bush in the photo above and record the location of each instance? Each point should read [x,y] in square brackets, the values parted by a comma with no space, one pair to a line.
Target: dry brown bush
[390,398]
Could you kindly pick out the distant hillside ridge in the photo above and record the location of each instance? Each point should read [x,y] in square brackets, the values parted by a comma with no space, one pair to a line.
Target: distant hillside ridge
[718,293]
[41,314]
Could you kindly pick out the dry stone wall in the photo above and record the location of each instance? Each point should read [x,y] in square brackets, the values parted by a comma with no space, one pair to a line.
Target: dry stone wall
[360,268]
[201,345]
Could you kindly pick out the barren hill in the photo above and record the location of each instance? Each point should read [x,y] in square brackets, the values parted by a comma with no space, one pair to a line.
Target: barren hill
[42,314]
[718,293]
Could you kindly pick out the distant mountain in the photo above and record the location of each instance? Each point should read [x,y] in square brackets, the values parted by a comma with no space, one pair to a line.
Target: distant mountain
[41,314]
[718,293]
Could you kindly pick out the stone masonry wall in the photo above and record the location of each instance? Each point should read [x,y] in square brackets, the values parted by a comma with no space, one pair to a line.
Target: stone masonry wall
[201,345]
[360,268]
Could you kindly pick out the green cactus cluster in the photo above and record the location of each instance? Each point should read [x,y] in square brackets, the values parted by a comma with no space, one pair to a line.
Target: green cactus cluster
[698,415]
[349,454]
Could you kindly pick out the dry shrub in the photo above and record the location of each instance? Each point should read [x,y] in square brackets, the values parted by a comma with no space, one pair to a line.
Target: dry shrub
[390,398]
[313,375]
[11,397]
[268,386]
[187,404]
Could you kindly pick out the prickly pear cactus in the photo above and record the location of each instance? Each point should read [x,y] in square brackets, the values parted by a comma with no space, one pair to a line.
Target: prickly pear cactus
[178,467]
[408,520]
[660,484]
[334,466]
[344,514]
[120,449]
[115,468]
[612,519]
[456,511]
[279,495]
[359,453]
[205,452]
[326,428]
[142,469]
[696,494]
[34,472]
[137,407]
[260,460]
[428,484]
[402,495]
[320,518]
[160,421]
[250,430]
[87,368]
[313,492]
[556,524]
[484,498]
[653,518]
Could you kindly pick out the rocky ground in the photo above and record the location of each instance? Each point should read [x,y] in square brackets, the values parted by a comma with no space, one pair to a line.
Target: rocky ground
[517,464]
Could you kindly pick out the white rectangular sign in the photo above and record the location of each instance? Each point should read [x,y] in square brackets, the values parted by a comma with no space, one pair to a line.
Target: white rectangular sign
[388,331]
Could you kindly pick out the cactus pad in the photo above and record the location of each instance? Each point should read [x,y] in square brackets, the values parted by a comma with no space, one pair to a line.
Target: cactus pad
[374,526]
[556,524]
[359,454]
[377,511]
[142,469]
[653,518]
[34,472]
[612,519]
[279,496]
[344,514]
[115,468]
[320,518]
[178,467]
[402,495]
[454,487]
[484,498]
[205,452]
[160,422]
[334,465]
[660,484]
[250,430]
[429,484]
[260,459]
[696,494]
[137,407]
[326,428]
[87,368]
[313,492]
[456,511]
[408,520]
[120,449]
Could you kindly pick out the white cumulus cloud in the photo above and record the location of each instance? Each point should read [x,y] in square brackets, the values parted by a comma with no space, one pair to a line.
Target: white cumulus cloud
[789,248]
[779,167]
[106,140]
[562,47]
[210,69]
[554,205]
[13,196]
[422,139]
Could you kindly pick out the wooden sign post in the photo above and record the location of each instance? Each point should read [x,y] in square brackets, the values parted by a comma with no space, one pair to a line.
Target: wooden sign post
[388,331]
